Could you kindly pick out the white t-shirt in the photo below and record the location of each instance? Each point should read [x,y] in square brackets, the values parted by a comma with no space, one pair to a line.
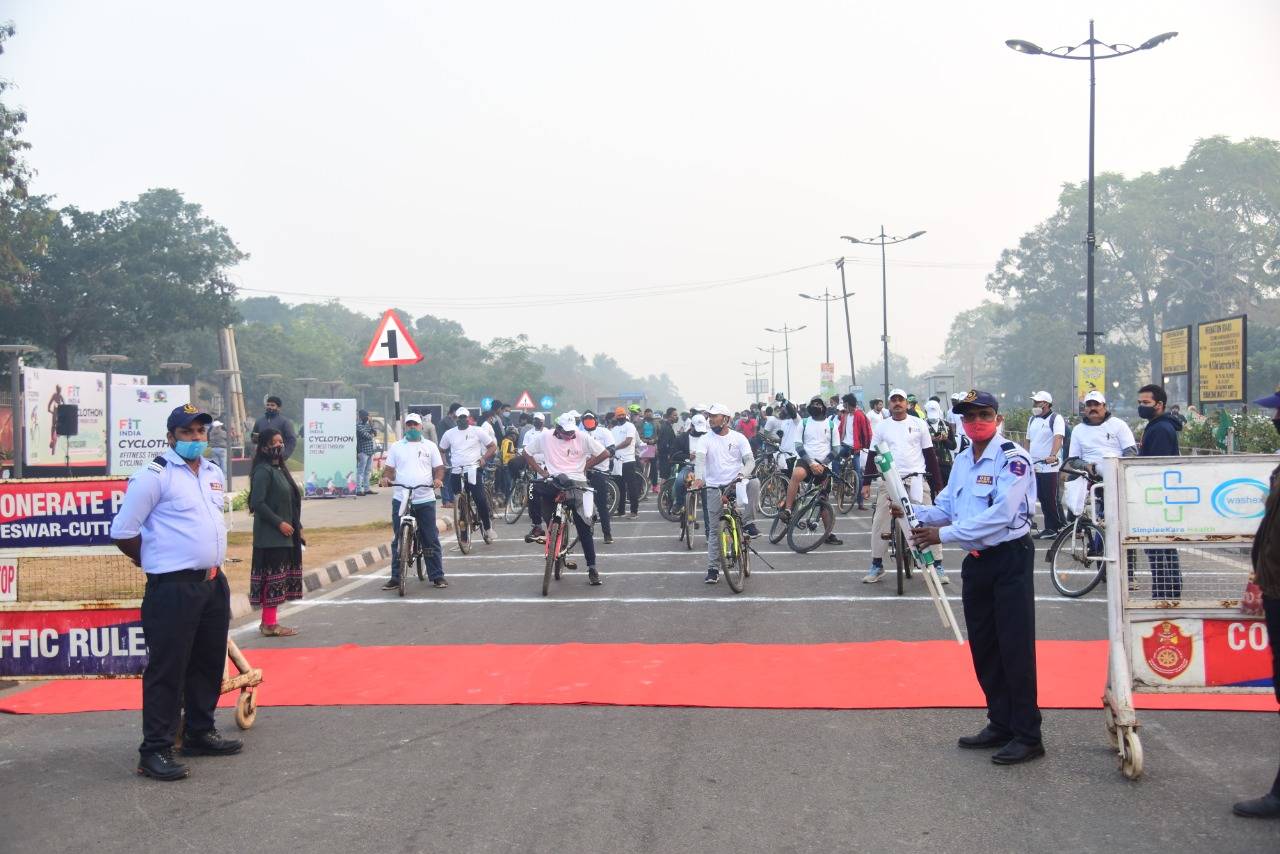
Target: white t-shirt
[569,456]
[907,440]
[465,447]
[604,436]
[621,433]
[1040,433]
[414,463]
[532,444]
[815,436]
[724,456]
[875,417]
[1102,441]
[787,444]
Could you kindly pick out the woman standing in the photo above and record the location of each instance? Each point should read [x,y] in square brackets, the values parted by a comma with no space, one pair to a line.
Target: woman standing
[276,505]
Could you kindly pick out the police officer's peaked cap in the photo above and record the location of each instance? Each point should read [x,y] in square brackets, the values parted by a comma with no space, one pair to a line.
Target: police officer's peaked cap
[974,399]
[185,414]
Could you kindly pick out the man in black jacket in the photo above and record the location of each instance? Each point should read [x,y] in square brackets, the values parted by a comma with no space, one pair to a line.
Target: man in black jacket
[1160,439]
[274,419]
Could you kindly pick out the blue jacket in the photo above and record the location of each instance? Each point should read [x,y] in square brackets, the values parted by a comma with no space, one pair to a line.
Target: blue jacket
[1160,439]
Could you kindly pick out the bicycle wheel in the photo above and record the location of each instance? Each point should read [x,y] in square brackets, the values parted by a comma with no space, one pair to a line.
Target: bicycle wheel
[811,525]
[642,474]
[514,508]
[901,560]
[462,516]
[666,500]
[773,490]
[777,530]
[1073,559]
[614,496]
[690,518]
[408,534]
[552,556]
[731,566]
[846,495]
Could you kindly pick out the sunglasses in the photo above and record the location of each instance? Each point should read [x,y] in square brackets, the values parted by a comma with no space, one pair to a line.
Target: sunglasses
[970,417]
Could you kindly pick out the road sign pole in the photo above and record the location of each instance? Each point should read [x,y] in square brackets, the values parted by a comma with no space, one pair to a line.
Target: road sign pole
[395,393]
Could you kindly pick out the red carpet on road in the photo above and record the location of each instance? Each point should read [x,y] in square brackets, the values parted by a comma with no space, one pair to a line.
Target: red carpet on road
[876,675]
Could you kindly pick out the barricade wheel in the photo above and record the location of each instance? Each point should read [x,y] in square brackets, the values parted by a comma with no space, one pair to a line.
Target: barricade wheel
[246,709]
[1131,754]
[1109,720]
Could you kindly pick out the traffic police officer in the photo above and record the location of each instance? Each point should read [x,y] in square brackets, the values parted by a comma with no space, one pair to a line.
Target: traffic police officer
[170,524]
[986,509]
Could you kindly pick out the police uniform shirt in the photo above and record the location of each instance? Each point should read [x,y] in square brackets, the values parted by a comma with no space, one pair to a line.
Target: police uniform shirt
[987,501]
[178,513]
[1094,442]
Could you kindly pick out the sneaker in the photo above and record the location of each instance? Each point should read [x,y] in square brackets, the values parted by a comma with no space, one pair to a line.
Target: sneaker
[1047,534]
[391,584]
[487,533]
[593,577]
[942,574]
[608,539]
[535,533]
[876,573]
[440,582]
[833,540]
[751,530]
[712,578]
[633,515]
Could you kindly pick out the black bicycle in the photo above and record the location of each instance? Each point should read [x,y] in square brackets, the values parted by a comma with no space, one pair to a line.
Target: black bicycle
[562,534]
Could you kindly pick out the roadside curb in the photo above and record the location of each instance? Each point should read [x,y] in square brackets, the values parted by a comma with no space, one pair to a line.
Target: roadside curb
[315,579]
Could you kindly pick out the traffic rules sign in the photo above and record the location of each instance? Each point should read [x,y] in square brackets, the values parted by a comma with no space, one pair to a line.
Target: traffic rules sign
[391,344]
[525,401]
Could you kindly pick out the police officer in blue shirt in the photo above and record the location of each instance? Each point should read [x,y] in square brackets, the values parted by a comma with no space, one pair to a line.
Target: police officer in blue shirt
[170,524]
[986,509]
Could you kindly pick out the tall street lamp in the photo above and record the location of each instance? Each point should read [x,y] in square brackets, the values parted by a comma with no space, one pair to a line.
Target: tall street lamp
[773,353]
[826,299]
[755,377]
[882,240]
[174,369]
[785,332]
[16,352]
[848,327]
[1067,52]
[107,359]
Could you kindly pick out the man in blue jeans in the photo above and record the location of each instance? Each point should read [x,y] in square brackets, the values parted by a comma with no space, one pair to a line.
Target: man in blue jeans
[365,446]
[415,461]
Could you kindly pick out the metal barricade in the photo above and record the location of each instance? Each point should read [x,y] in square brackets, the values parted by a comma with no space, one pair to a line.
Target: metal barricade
[1178,536]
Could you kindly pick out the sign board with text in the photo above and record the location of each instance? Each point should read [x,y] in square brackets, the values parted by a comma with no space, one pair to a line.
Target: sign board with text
[72,643]
[1222,359]
[1201,498]
[42,391]
[140,416]
[1090,374]
[42,514]
[329,447]
[1192,653]
[1175,350]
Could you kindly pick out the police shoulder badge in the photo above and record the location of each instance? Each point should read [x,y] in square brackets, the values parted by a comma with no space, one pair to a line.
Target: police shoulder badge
[1168,651]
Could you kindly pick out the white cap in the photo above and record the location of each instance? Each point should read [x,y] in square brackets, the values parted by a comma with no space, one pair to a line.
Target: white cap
[574,414]
[956,395]
[462,412]
[699,423]
[897,392]
[567,422]
[217,423]
[415,418]
[1043,397]
[700,407]
[538,416]
[718,409]
[1093,396]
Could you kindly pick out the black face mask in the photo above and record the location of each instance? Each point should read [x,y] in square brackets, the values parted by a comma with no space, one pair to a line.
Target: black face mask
[1146,413]
[817,412]
[1276,422]
[275,453]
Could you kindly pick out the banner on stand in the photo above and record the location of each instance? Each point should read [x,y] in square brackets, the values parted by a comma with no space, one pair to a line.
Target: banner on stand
[329,447]
[140,415]
[42,391]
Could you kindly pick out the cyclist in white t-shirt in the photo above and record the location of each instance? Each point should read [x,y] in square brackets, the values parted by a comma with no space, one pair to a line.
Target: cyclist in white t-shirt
[1100,435]
[597,474]
[723,456]
[1046,430]
[416,461]
[626,442]
[466,447]
[914,459]
[810,440]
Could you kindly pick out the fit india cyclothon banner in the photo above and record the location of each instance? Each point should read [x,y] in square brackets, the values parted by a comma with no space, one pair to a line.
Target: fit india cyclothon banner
[329,447]
[43,390]
[1222,360]
[139,416]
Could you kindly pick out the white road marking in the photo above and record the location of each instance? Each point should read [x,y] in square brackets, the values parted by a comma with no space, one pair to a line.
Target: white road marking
[663,600]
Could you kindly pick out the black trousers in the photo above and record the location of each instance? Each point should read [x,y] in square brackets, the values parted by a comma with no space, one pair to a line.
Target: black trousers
[1271,608]
[458,482]
[999,610]
[629,484]
[545,496]
[597,480]
[1047,492]
[185,626]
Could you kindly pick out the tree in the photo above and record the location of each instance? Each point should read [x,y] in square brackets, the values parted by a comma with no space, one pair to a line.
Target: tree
[126,278]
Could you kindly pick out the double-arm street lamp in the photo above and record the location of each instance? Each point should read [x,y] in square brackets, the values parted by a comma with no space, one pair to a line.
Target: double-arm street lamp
[785,332]
[773,355]
[882,240]
[826,299]
[755,377]
[1110,51]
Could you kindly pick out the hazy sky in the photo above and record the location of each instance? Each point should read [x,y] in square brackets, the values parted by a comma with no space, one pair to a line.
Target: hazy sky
[502,163]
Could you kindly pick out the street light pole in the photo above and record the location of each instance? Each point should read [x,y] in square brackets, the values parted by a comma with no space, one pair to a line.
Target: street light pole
[826,299]
[786,331]
[755,387]
[848,327]
[773,352]
[882,240]
[1066,52]
[107,359]
[16,352]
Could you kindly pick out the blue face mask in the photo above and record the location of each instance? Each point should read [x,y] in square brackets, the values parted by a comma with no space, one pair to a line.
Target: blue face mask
[189,450]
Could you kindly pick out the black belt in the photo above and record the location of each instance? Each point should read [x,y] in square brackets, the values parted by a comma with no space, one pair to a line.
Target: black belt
[187,575]
[998,547]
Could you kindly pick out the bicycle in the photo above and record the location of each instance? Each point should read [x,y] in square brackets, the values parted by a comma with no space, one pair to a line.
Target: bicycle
[773,491]
[464,511]
[1077,557]
[515,506]
[846,487]
[811,515]
[735,550]
[899,550]
[558,543]
[667,495]
[411,551]
[689,518]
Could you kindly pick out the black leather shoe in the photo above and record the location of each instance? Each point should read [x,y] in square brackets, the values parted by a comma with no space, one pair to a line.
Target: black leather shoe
[833,540]
[1015,753]
[209,743]
[1267,806]
[161,766]
[593,577]
[986,739]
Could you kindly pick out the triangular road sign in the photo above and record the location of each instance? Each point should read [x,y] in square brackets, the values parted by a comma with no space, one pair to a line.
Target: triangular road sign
[391,344]
[525,401]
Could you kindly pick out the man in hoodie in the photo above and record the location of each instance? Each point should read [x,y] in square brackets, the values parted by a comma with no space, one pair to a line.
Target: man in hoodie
[274,419]
[1160,439]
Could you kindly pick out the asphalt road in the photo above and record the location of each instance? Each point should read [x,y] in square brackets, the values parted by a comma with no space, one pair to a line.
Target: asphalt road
[572,778]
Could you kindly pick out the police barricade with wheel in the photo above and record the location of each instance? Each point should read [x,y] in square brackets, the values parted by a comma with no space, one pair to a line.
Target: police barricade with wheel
[70,602]
[1177,534]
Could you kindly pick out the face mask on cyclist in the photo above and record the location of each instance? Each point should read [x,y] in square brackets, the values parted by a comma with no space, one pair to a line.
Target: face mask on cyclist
[817,411]
[413,434]
[1038,410]
[463,423]
[588,424]
[980,431]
